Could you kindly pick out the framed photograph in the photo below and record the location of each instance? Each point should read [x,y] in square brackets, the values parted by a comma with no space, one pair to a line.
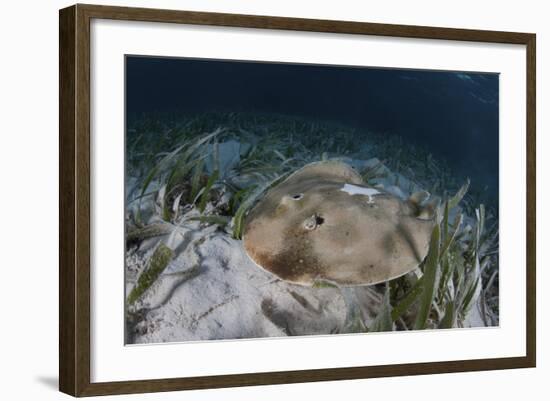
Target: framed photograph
[250,200]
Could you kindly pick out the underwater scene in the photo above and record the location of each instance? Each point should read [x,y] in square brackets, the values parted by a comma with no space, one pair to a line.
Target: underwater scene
[278,199]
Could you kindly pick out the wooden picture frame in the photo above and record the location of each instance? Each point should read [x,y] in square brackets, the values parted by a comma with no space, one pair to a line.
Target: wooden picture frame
[74,203]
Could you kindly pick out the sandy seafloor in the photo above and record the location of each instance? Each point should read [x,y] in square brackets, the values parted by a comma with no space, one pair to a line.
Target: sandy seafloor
[212,290]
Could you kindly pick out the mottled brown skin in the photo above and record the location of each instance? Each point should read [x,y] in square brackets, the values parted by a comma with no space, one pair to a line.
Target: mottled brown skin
[306,229]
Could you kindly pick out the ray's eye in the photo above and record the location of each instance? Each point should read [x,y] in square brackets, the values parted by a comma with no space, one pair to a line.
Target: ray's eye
[313,222]
[297,196]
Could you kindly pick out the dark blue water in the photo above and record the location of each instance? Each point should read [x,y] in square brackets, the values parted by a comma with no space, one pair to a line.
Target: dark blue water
[453,114]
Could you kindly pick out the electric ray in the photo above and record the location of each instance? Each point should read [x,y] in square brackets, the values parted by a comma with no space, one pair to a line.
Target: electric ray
[322,223]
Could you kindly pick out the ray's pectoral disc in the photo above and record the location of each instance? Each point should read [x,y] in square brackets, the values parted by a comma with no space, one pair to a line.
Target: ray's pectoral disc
[323,223]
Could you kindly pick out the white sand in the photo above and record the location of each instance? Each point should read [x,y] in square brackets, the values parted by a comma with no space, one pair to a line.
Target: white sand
[357,190]
[212,290]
